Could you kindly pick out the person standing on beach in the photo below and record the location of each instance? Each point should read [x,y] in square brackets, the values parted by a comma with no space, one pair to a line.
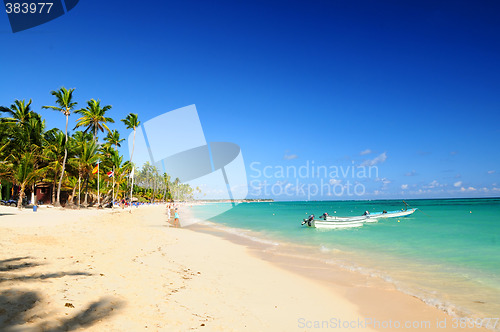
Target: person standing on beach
[168,213]
[176,220]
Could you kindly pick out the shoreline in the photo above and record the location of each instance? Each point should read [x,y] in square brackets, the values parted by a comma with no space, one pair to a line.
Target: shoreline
[70,269]
[372,289]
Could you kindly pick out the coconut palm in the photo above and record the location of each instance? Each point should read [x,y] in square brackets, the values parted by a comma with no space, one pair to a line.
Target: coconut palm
[94,117]
[20,112]
[121,170]
[72,182]
[24,126]
[65,104]
[25,172]
[21,145]
[132,122]
[86,155]
[54,153]
[113,138]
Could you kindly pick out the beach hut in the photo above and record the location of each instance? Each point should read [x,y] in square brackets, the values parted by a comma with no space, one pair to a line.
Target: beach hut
[43,192]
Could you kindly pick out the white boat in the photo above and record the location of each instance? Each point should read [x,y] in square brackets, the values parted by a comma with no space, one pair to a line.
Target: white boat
[354,218]
[354,221]
[336,224]
[391,214]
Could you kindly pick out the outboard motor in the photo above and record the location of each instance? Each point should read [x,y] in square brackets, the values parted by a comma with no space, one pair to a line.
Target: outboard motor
[309,220]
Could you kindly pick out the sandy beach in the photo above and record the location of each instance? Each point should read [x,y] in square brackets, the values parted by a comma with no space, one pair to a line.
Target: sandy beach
[65,270]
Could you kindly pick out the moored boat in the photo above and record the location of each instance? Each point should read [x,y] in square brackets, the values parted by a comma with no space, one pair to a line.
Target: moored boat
[334,222]
[355,221]
[340,219]
[337,224]
[391,214]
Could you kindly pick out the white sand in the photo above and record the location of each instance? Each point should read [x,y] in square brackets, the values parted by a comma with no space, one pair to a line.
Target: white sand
[118,271]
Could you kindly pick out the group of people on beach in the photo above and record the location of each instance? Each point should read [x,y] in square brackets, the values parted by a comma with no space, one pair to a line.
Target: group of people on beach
[171,209]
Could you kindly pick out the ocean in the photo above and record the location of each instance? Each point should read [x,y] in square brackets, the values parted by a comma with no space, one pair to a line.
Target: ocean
[447,253]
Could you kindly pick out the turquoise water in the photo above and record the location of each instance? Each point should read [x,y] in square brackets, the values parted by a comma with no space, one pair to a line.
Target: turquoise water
[447,253]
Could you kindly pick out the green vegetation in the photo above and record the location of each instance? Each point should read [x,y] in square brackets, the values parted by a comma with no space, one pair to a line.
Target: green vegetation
[30,155]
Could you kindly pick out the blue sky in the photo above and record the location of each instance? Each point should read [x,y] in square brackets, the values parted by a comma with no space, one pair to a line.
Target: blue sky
[410,87]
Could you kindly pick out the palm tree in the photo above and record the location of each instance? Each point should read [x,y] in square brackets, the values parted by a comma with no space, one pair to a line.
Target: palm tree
[113,138]
[94,117]
[65,104]
[121,173]
[132,122]
[53,151]
[21,145]
[72,182]
[20,112]
[87,155]
[25,172]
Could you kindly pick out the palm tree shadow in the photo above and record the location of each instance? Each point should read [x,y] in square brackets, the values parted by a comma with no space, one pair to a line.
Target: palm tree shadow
[16,264]
[19,307]
[14,306]
[10,267]
[40,276]
[3,261]
[94,312]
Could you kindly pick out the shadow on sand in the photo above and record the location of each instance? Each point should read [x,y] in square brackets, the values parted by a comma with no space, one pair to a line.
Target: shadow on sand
[21,306]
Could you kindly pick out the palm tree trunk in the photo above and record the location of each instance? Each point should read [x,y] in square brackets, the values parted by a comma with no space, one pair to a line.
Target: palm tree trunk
[58,201]
[54,189]
[113,198]
[33,195]
[21,196]
[133,146]
[71,198]
[86,185]
[79,191]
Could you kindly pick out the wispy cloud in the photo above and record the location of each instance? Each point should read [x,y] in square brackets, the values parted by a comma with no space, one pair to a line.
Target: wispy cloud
[383,180]
[491,172]
[470,189]
[404,186]
[433,184]
[377,160]
[458,184]
[424,153]
[335,181]
[411,173]
[288,156]
[453,153]
[365,152]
